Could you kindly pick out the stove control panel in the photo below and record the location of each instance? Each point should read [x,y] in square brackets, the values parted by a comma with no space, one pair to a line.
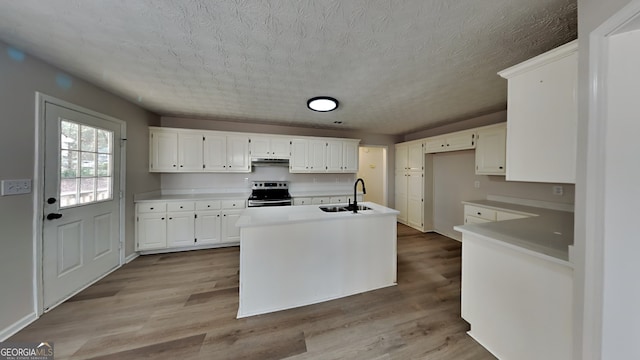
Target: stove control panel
[259,185]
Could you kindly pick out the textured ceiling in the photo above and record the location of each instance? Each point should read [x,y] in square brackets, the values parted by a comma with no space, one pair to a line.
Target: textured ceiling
[396,66]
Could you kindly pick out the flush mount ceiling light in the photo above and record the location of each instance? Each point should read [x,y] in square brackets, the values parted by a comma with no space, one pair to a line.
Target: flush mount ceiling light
[322,104]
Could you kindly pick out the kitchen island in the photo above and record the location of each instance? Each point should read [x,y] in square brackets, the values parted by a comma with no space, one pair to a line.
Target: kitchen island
[294,256]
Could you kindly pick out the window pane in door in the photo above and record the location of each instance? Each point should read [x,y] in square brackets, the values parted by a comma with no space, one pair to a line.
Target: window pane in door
[103,188]
[104,165]
[88,164]
[87,190]
[68,192]
[69,135]
[68,164]
[88,138]
[105,139]
[86,176]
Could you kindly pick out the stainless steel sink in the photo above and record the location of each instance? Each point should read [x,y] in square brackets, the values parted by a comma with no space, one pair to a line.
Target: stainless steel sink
[340,208]
[333,208]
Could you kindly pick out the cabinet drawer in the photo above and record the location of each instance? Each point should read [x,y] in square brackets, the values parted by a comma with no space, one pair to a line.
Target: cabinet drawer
[474,220]
[233,204]
[320,200]
[152,207]
[208,205]
[181,206]
[483,213]
[302,201]
[338,199]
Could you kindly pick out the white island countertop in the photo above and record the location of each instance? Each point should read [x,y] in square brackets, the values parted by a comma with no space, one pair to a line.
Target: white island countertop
[274,215]
[547,233]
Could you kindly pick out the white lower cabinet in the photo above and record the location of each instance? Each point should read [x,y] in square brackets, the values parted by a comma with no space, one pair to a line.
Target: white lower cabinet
[230,232]
[162,225]
[331,199]
[476,214]
[207,222]
[151,231]
[180,229]
[321,200]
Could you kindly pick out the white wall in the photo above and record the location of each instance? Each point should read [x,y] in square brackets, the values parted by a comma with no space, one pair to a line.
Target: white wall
[454,177]
[241,182]
[588,323]
[20,77]
[374,172]
[621,297]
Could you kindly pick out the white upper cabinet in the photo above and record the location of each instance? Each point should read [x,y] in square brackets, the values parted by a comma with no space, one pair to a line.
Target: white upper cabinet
[342,156]
[215,152]
[299,154]
[410,156]
[334,156]
[190,152]
[542,115]
[324,155]
[163,151]
[317,155]
[238,153]
[270,147]
[490,150]
[350,156]
[462,140]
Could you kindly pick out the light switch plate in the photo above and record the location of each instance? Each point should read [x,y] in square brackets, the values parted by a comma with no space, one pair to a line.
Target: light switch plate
[16,187]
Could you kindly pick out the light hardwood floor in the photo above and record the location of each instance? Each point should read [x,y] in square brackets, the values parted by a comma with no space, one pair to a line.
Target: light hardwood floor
[183,306]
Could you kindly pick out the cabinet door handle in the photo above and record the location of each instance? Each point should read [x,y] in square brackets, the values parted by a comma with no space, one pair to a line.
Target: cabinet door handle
[150,208]
[181,165]
[161,218]
[479,213]
[501,167]
[174,165]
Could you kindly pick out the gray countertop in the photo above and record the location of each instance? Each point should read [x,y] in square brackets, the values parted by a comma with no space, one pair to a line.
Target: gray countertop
[546,232]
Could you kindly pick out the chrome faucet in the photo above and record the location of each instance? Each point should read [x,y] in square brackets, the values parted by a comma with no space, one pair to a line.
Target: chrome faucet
[355,194]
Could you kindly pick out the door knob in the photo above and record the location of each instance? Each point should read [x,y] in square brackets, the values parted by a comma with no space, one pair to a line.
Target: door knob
[53,216]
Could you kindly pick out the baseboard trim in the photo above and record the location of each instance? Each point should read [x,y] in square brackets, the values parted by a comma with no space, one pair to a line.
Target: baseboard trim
[131,257]
[17,326]
[450,236]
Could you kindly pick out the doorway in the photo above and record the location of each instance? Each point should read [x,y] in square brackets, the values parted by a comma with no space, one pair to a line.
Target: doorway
[81,226]
[373,170]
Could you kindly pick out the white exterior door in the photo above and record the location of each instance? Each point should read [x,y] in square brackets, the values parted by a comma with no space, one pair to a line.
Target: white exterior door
[81,201]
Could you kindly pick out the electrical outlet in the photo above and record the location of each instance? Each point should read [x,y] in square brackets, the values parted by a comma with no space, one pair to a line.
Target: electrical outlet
[476,184]
[16,187]
[558,190]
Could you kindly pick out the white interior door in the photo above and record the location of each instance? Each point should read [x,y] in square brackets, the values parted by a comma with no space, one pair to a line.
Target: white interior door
[81,201]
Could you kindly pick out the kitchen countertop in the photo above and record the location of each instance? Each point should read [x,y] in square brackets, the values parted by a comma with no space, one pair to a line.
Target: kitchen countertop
[546,232]
[264,216]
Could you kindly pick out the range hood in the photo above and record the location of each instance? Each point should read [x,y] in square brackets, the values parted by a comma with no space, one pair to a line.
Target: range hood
[269,162]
